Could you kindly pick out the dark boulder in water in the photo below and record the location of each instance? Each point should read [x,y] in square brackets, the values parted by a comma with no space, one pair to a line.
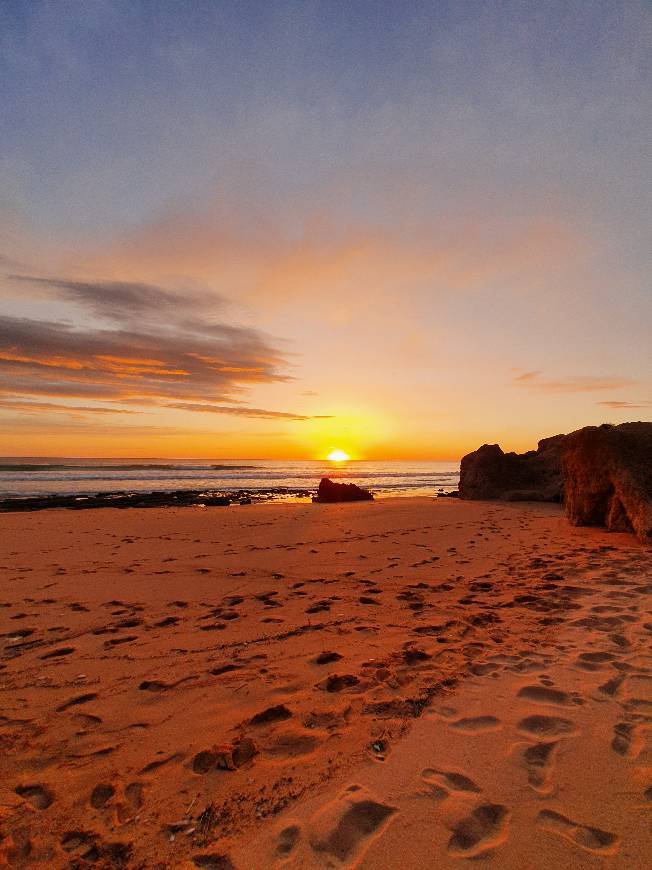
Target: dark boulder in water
[333,492]
[608,477]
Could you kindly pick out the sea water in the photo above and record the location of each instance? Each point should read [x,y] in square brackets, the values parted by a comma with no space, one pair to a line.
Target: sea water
[47,476]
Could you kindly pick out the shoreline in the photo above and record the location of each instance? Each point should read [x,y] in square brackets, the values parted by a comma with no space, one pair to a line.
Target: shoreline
[151,499]
[178,498]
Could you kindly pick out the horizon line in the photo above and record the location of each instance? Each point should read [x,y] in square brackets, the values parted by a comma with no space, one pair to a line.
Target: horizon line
[222,459]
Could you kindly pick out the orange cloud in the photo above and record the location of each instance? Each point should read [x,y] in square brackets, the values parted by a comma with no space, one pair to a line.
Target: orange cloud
[54,407]
[578,384]
[618,405]
[162,349]
[244,411]
[340,262]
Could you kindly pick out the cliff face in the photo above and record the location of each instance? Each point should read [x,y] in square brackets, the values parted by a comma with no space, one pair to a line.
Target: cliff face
[533,476]
[608,477]
[603,474]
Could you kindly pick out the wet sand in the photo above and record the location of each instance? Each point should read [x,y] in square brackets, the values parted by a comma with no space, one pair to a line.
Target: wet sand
[406,683]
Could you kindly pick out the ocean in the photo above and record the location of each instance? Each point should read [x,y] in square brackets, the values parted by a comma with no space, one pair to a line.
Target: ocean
[272,478]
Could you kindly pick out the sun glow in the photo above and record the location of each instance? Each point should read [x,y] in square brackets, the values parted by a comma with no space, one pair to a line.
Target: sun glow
[338,456]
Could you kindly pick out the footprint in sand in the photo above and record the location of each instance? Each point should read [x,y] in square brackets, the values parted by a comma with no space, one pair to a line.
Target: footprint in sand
[288,838]
[547,726]
[213,861]
[638,706]
[539,764]
[483,668]
[134,795]
[117,641]
[167,622]
[101,795]
[160,686]
[278,713]
[39,796]
[627,740]
[76,701]
[477,724]
[59,653]
[449,779]
[546,695]
[290,744]
[586,837]
[485,828]
[594,661]
[87,720]
[415,655]
[326,658]
[133,801]
[160,762]
[224,669]
[319,607]
[338,682]
[343,828]
[612,686]
[620,640]
[82,844]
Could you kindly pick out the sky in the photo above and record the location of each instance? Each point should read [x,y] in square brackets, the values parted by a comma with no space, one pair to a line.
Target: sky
[267,230]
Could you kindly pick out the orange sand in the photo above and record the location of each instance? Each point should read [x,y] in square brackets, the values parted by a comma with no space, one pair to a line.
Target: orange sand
[490,697]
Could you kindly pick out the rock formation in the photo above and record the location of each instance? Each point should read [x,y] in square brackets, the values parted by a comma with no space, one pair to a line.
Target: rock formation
[603,474]
[331,492]
[533,476]
[608,477]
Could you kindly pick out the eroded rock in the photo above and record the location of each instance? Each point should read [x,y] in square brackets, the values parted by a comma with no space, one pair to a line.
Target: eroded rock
[608,477]
[329,491]
[533,476]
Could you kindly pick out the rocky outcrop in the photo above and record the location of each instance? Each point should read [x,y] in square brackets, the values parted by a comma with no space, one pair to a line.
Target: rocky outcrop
[608,477]
[533,476]
[332,492]
[603,474]
[178,498]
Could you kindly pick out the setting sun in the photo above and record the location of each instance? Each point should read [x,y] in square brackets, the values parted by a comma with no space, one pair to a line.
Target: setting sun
[338,456]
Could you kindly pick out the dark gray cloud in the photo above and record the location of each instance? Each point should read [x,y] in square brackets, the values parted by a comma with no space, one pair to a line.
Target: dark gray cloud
[133,364]
[161,348]
[123,301]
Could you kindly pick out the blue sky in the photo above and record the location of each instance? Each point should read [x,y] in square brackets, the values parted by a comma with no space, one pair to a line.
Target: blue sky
[407,201]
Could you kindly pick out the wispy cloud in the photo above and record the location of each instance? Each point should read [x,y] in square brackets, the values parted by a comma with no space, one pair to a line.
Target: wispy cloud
[617,405]
[244,411]
[123,301]
[56,408]
[527,376]
[158,348]
[578,384]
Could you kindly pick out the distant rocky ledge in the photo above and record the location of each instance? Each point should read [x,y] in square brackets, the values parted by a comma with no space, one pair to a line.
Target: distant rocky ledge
[602,474]
[177,498]
[328,491]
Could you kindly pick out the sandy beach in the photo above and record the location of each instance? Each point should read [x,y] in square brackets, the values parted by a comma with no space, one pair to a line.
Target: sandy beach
[410,682]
